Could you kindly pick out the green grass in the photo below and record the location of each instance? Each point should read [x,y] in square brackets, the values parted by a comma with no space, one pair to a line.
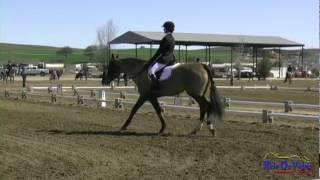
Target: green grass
[34,54]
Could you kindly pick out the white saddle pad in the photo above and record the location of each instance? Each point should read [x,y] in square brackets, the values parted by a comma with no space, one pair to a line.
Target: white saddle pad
[166,73]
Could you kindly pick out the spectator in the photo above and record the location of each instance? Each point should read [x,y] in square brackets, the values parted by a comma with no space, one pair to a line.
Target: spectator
[289,74]
[24,77]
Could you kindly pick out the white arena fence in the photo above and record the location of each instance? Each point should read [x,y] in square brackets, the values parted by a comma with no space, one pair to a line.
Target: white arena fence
[113,87]
[177,100]
[103,100]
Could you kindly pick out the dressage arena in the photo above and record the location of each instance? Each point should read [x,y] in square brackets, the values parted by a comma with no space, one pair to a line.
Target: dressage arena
[66,140]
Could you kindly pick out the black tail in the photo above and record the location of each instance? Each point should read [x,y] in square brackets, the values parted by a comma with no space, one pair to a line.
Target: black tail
[216,105]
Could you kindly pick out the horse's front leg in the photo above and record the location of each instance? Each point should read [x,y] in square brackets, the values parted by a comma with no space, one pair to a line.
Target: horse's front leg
[157,107]
[135,108]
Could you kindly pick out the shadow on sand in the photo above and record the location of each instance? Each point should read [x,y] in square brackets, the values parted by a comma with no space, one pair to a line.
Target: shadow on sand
[112,133]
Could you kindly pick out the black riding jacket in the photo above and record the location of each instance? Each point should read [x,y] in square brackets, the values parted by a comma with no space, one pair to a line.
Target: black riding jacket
[165,54]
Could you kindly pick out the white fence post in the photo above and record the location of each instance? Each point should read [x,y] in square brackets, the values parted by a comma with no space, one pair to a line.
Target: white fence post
[177,100]
[123,95]
[162,106]
[112,85]
[6,93]
[92,93]
[288,106]
[102,98]
[118,103]
[267,116]
[227,102]
[243,87]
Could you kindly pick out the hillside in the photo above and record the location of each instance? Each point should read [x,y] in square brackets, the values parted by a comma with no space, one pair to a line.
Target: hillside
[19,53]
[32,53]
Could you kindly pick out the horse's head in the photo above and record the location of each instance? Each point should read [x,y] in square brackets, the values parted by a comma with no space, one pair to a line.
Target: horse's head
[111,72]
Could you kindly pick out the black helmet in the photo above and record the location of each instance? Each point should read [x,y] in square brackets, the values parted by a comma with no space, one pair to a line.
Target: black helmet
[169,25]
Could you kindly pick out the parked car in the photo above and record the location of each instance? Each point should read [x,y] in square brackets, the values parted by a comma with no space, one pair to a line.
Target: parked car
[36,71]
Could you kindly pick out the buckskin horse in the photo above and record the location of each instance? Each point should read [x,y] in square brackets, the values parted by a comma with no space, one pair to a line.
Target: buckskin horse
[195,79]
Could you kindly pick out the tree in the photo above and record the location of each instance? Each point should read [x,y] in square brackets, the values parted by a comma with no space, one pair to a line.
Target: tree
[90,51]
[264,67]
[104,35]
[65,51]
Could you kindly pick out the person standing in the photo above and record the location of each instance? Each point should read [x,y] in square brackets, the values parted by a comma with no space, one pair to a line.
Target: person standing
[24,76]
[288,74]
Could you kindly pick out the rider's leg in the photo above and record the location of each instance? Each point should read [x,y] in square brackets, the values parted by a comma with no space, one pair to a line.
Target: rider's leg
[154,78]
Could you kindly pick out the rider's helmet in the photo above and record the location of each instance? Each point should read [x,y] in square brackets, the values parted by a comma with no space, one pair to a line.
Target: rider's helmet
[169,26]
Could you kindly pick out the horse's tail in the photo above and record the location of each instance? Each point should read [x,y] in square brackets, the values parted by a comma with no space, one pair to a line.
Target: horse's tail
[216,107]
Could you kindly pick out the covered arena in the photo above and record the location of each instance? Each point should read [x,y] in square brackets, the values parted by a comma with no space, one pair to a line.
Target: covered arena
[209,41]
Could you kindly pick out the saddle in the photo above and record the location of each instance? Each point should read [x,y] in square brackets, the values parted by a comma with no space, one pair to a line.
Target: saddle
[165,72]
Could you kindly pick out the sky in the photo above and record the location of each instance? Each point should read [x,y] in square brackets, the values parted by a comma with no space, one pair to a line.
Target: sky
[75,23]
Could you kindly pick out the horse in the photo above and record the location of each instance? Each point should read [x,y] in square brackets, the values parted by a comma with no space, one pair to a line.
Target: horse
[195,79]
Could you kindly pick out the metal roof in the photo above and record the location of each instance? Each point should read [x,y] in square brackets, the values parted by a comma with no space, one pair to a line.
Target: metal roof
[141,37]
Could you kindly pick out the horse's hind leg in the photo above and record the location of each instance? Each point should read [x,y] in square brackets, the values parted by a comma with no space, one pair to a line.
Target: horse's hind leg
[210,120]
[157,107]
[203,104]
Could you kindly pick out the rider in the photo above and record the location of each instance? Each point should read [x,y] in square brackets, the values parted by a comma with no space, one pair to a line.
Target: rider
[163,57]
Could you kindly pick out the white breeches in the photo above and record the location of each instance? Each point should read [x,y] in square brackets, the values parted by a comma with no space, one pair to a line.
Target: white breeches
[155,68]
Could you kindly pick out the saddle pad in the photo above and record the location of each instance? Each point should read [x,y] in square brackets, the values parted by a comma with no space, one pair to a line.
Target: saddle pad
[166,73]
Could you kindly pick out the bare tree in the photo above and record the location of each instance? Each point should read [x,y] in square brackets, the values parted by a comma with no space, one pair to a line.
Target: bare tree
[104,35]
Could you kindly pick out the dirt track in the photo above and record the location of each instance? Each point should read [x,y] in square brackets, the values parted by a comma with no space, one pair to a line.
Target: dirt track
[42,141]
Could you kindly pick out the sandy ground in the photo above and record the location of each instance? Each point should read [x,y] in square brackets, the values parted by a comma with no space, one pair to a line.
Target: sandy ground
[64,141]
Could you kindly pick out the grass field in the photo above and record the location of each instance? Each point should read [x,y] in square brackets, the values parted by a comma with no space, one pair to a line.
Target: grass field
[34,54]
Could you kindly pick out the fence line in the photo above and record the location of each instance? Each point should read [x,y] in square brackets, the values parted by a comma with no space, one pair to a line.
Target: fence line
[265,113]
[242,87]
[90,88]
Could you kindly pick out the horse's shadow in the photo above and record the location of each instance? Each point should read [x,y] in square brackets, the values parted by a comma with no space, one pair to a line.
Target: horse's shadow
[103,133]
[110,133]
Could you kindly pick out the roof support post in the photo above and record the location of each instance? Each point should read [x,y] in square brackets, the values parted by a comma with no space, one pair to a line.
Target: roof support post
[186,60]
[231,78]
[302,63]
[210,55]
[279,58]
[136,50]
[179,54]
[253,70]
[256,60]
[206,54]
[150,50]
